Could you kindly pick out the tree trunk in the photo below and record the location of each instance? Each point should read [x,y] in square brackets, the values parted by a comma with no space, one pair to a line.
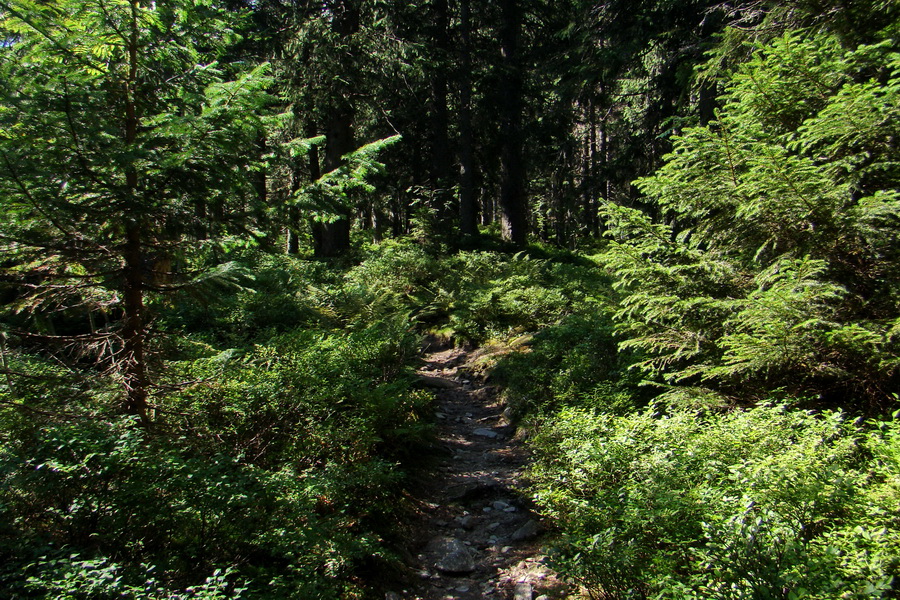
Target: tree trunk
[292,241]
[333,239]
[590,176]
[441,155]
[513,206]
[134,372]
[468,208]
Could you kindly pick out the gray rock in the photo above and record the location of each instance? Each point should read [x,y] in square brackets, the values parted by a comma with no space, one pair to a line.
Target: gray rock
[470,491]
[454,557]
[500,505]
[465,521]
[392,596]
[523,591]
[429,381]
[526,532]
[542,597]
[488,433]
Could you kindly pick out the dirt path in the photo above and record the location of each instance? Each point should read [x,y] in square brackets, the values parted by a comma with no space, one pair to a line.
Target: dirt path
[476,536]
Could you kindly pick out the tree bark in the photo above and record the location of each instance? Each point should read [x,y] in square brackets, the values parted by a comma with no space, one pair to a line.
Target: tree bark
[292,241]
[134,371]
[333,239]
[513,206]
[468,207]
[441,155]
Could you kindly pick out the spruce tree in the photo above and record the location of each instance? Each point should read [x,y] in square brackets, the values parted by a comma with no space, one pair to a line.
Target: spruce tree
[773,262]
[124,145]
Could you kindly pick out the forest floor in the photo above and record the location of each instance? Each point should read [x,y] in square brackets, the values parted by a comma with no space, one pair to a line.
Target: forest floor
[474,535]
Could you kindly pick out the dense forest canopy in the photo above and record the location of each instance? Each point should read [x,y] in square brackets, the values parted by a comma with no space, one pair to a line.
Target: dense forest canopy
[226,226]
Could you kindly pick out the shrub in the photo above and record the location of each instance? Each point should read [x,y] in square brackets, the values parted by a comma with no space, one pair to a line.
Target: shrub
[763,503]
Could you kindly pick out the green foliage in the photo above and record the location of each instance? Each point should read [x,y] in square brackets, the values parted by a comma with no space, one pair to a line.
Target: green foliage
[773,262]
[283,424]
[112,492]
[572,364]
[763,503]
[483,295]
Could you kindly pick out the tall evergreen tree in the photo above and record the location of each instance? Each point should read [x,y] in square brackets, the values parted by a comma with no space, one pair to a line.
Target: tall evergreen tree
[513,201]
[120,134]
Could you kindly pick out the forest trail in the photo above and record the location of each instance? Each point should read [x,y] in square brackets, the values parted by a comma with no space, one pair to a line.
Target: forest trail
[475,535]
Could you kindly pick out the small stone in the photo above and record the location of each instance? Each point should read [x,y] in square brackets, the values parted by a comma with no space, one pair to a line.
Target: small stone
[464,521]
[493,526]
[488,433]
[527,531]
[440,415]
[462,589]
[505,549]
[500,505]
[455,557]
[392,596]
[510,509]
[523,591]
[543,597]
[486,509]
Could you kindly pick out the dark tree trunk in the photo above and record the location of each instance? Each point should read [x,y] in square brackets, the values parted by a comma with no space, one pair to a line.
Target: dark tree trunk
[513,206]
[441,154]
[590,176]
[292,245]
[706,103]
[134,330]
[468,207]
[134,371]
[333,239]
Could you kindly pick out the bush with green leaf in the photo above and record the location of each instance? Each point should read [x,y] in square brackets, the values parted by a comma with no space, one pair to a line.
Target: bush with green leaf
[763,503]
[573,363]
[283,421]
[477,296]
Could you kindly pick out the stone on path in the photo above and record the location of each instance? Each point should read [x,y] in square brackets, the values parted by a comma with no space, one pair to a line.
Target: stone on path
[523,591]
[488,433]
[527,531]
[435,382]
[454,558]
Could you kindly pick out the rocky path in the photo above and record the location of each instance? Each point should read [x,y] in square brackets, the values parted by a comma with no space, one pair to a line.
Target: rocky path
[476,536]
